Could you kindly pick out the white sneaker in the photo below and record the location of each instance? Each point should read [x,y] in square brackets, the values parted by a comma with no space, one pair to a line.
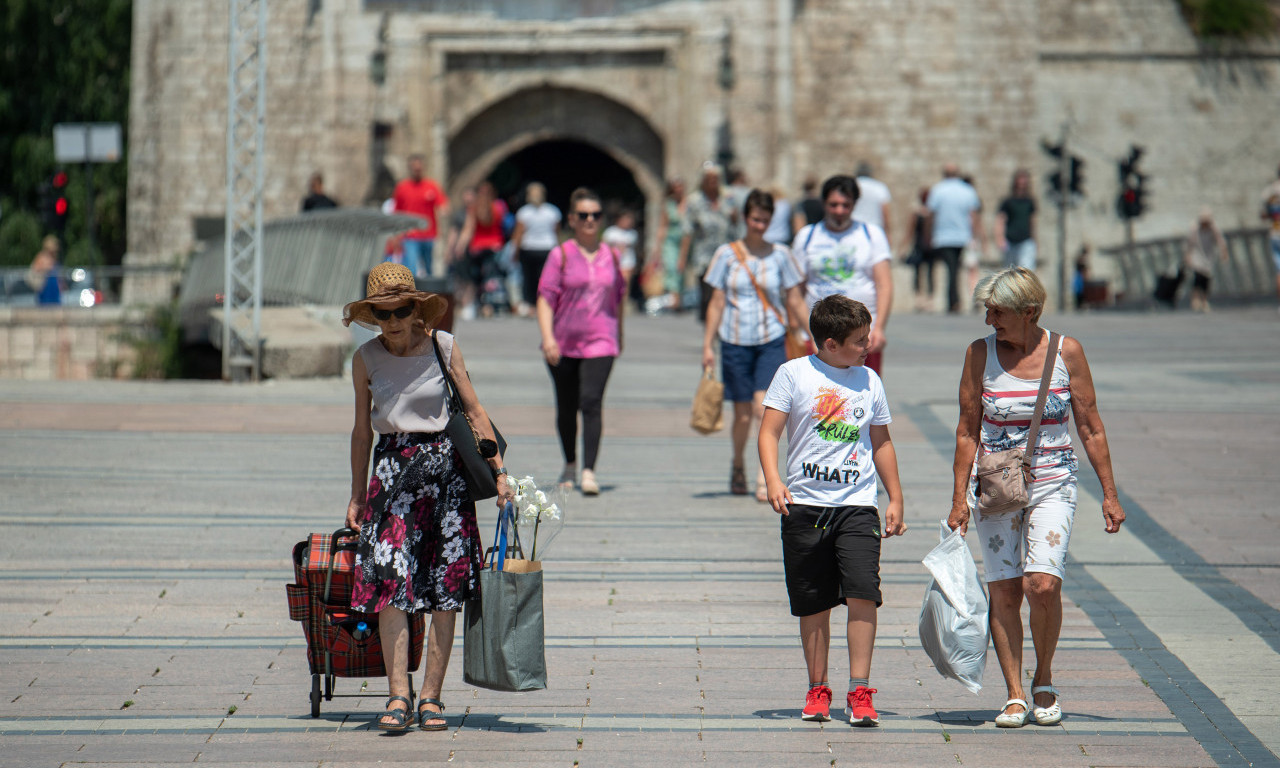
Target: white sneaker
[469,312]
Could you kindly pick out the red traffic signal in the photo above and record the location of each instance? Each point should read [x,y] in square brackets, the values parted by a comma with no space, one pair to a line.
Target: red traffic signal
[60,180]
[60,206]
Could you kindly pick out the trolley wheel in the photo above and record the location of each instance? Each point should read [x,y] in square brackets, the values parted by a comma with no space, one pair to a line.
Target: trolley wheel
[315,695]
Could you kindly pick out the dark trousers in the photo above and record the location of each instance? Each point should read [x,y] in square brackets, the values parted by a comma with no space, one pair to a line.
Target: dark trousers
[579,385]
[531,264]
[950,257]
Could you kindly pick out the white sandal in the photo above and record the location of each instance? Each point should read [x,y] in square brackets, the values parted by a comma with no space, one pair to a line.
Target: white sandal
[1013,719]
[1052,714]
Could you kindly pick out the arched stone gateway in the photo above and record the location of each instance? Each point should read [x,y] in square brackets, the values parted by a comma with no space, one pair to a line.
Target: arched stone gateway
[546,131]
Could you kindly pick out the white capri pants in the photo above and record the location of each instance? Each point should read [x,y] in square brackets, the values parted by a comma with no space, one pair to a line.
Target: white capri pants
[1029,540]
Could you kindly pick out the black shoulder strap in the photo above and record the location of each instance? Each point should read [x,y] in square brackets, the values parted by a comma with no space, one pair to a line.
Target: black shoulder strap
[451,389]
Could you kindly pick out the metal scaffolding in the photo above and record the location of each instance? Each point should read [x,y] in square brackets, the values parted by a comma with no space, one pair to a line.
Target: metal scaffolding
[246,124]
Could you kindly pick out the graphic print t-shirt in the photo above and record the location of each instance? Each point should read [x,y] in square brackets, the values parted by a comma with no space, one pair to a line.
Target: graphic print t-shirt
[829,415]
[841,262]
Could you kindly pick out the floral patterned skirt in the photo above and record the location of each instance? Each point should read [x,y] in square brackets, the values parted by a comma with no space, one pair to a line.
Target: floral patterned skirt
[420,549]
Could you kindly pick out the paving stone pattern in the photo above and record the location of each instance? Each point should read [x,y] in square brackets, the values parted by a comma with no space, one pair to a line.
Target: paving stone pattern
[149,525]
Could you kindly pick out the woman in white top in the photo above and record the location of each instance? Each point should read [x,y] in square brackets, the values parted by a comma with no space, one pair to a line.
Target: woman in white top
[537,231]
[755,289]
[419,549]
[1024,550]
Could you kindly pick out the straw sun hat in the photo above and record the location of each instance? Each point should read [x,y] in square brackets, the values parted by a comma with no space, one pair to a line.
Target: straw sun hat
[391,284]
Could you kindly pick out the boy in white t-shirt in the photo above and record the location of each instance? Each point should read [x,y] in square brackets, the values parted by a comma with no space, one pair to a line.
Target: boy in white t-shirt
[836,417]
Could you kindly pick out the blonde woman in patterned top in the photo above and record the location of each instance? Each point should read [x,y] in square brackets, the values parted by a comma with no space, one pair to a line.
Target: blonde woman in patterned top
[1024,551]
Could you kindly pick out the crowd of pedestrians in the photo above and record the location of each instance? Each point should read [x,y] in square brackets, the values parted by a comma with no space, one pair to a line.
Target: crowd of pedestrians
[796,298]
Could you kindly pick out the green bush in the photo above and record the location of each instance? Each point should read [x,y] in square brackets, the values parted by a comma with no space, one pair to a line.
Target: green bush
[1229,19]
[158,345]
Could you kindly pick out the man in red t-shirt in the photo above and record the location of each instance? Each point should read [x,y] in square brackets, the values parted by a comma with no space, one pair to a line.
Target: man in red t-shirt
[419,196]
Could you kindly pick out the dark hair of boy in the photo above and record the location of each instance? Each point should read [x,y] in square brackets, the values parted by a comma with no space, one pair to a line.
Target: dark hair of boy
[580,194]
[760,200]
[845,185]
[835,317]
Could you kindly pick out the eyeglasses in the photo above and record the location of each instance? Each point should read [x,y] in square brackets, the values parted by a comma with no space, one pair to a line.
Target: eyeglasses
[400,312]
[588,215]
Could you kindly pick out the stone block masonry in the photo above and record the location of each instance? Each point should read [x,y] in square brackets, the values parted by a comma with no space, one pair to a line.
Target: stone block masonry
[42,343]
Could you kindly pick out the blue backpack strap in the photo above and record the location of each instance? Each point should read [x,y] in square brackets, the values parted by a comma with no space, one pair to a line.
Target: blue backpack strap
[812,228]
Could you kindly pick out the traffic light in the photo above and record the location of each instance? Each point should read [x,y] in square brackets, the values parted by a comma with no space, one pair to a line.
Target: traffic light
[61,207]
[1076,183]
[1131,202]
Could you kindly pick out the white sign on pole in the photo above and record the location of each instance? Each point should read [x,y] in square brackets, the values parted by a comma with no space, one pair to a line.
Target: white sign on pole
[86,142]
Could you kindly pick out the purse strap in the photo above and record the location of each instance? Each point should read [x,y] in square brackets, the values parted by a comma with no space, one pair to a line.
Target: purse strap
[1033,436]
[450,387]
[740,250]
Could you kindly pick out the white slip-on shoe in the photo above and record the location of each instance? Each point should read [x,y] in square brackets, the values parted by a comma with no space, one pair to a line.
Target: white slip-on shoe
[589,485]
[1052,714]
[1013,719]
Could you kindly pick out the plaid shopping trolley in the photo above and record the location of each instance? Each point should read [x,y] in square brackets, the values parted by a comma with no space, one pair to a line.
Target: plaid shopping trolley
[340,642]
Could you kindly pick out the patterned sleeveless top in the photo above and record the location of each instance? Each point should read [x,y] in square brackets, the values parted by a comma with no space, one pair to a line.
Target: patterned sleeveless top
[1008,403]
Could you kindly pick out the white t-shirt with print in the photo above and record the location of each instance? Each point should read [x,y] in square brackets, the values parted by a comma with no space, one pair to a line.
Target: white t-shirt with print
[829,416]
[841,262]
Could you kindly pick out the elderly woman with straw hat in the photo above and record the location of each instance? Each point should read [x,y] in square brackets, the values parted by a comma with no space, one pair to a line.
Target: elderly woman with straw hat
[419,548]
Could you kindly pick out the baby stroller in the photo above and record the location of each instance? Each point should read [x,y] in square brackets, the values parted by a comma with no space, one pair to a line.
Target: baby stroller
[340,642]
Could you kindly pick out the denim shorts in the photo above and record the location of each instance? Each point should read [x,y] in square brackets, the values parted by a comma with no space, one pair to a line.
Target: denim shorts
[749,369]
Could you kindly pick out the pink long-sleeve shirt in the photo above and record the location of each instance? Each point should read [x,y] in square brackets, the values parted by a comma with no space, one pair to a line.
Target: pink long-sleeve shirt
[585,298]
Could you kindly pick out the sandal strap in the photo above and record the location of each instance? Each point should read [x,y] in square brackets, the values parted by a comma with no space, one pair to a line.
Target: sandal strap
[1011,702]
[425,700]
[394,699]
[1044,689]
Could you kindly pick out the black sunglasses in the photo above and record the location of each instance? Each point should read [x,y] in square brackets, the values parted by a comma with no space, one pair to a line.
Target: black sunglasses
[400,312]
[585,215]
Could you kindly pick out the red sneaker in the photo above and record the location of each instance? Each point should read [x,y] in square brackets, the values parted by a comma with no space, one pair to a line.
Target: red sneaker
[817,704]
[860,709]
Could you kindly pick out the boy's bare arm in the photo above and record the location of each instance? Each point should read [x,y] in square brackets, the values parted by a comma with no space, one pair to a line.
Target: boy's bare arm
[886,461]
[771,426]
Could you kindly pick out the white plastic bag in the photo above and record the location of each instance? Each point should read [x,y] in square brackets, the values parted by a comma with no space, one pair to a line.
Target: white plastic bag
[953,618]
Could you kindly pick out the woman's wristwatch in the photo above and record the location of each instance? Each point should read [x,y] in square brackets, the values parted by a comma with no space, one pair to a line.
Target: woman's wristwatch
[499,472]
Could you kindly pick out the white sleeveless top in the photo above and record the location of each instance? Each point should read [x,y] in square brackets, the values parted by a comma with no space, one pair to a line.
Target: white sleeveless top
[409,393]
[1008,403]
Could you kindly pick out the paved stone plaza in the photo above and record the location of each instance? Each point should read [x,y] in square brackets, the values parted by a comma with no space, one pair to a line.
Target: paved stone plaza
[149,525]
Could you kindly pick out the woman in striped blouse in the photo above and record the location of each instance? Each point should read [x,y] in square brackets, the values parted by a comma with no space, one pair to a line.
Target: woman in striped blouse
[755,288]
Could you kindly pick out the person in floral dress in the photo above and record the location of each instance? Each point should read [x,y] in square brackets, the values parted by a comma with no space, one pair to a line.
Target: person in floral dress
[1024,551]
[419,549]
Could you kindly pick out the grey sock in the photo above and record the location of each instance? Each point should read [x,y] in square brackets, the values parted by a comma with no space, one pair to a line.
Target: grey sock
[854,682]
[818,685]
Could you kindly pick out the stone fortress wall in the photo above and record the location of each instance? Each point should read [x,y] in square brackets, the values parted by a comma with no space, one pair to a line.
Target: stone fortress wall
[816,86]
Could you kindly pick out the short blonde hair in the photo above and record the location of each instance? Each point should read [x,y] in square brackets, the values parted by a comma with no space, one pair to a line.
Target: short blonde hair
[1015,289]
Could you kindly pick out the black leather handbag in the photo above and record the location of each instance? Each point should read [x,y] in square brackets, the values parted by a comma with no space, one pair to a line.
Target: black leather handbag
[473,453]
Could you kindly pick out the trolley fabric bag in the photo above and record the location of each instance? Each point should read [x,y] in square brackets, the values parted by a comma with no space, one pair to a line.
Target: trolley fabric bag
[504,646]
[340,642]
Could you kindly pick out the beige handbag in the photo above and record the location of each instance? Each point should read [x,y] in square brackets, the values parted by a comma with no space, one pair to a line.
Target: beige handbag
[708,405]
[1004,476]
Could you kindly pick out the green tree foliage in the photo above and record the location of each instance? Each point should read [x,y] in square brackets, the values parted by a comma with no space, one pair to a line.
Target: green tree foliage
[1229,19]
[61,61]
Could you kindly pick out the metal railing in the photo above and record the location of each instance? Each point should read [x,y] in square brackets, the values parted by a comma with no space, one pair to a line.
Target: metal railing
[1247,273]
[312,258]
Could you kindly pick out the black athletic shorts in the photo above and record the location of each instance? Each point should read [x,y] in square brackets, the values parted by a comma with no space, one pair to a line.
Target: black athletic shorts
[830,554]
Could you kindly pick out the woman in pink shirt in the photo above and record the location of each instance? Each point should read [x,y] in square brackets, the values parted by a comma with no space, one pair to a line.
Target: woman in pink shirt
[580,315]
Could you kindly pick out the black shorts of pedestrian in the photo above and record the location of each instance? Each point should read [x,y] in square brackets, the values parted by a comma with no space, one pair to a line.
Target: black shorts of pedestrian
[1200,282]
[830,554]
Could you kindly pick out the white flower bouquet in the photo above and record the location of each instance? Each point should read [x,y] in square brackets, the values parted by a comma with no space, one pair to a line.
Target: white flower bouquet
[539,515]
